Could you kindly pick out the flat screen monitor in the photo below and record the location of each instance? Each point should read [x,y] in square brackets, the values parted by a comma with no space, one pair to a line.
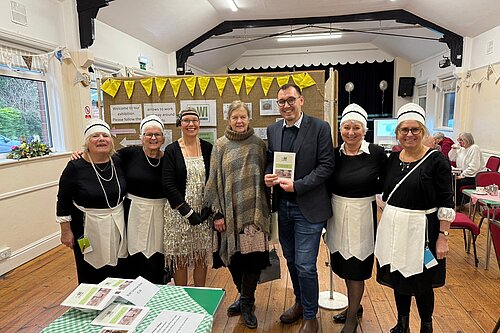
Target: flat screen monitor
[384,131]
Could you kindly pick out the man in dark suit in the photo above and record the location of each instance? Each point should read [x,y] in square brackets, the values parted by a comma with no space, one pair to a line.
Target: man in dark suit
[303,203]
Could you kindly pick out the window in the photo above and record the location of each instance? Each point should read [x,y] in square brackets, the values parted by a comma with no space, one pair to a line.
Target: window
[446,99]
[422,95]
[24,113]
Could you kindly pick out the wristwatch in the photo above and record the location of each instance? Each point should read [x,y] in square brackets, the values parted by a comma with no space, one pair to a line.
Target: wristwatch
[446,233]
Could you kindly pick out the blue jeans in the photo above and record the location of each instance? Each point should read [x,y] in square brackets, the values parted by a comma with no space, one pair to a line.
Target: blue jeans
[299,240]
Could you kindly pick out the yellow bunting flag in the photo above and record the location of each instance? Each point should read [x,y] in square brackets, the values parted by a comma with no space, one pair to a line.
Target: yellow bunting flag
[111,86]
[203,82]
[297,78]
[129,87]
[237,81]
[282,80]
[220,83]
[307,81]
[266,82]
[176,85]
[160,84]
[190,83]
[147,84]
[250,82]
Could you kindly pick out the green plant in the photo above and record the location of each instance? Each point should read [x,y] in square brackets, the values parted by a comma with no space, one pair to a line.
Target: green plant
[28,149]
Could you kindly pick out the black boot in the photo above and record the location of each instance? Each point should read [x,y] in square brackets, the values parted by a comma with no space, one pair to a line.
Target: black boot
[403,325]
[235,308]
[236,273]
[248,286]
[426,327]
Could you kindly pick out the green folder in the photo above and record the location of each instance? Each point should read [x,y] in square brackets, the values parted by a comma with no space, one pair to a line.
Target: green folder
[208,298]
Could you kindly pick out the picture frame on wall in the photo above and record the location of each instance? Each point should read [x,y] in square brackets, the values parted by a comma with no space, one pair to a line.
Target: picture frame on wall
[208,134]
[206,109]
[268,107]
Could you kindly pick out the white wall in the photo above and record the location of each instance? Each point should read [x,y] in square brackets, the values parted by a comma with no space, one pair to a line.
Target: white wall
[28,187]
[428,72]
[46,27]
[477,107]
[478,49]
[401,68]
[114,45]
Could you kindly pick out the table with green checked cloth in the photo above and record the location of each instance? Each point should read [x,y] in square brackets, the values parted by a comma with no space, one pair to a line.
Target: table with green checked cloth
[198,300]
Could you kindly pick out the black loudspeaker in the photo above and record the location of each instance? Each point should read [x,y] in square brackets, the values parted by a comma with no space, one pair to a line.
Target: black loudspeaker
[405,88]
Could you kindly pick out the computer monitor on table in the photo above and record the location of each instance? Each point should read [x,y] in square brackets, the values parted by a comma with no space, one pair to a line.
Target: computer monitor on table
[384,132]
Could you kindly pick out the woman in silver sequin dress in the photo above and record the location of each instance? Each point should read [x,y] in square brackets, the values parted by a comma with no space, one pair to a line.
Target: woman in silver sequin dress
[187,237]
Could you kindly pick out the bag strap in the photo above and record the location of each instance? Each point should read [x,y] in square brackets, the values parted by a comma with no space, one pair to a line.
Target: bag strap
[408,174]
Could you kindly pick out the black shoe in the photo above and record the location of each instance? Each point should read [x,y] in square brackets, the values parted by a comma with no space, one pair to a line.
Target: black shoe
[403,325]
[341,317]
[235,308]
[247,313]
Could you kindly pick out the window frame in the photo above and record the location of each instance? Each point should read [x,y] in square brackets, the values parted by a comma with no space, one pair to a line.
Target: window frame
[422,95]
[444,86]
[51,112]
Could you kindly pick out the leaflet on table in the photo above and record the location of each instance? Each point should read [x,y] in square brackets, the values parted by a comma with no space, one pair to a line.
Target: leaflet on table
[118,284]
[139,292]
[284,164]
[121,316]
[90,296]
[115,330]
[175,322]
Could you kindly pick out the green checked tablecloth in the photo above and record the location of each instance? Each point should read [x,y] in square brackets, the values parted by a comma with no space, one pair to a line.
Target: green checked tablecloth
[167,298]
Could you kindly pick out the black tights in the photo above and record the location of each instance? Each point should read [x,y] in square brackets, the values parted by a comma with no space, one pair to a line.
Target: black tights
[425,304]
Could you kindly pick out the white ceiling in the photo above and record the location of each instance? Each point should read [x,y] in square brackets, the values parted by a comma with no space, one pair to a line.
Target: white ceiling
[168,25]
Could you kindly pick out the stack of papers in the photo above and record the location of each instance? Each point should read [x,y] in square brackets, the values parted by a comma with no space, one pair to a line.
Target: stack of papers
[117,317]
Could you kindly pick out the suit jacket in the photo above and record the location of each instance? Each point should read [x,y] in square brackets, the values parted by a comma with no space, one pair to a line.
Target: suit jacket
[314,162]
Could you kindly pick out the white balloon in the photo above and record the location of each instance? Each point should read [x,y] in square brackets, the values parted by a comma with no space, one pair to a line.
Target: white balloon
[349,86]
[383,85]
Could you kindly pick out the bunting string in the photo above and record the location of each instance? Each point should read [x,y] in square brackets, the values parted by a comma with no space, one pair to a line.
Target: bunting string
[470,82]
[303,80]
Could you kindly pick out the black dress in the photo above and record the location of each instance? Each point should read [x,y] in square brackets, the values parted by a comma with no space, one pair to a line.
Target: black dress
[79,183]
[357,177]
[143,180]
[427,187]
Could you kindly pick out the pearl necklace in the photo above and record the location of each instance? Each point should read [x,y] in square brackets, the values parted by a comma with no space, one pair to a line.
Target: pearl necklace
[147,159]
[404,165]
[99,177]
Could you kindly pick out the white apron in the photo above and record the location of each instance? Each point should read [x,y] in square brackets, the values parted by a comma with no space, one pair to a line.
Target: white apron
[350,230]
[401,239]
[145,225]
[105,229]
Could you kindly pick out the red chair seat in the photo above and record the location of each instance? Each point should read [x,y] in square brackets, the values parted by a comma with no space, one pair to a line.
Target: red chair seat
[462,221]
[484,213]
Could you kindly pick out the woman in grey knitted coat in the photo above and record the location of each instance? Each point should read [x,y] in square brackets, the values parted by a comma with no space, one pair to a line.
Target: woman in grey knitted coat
[236,193]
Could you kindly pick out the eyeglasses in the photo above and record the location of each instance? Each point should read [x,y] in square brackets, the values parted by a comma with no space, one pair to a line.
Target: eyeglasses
[290,100]
[406,130]
[150,135]
[187,121]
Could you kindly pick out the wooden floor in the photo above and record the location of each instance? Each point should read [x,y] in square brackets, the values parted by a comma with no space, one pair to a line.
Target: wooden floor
[470,302]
